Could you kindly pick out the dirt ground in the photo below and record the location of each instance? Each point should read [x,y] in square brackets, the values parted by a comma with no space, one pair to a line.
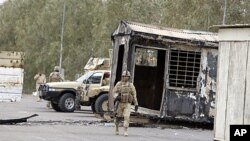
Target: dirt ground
[80,126]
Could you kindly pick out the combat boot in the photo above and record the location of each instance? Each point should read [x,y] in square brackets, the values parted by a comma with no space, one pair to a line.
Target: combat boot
[48,104]
[117,129]
[78,108]
[126,131]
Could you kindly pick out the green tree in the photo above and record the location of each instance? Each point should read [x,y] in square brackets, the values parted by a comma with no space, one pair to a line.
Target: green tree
[34,27]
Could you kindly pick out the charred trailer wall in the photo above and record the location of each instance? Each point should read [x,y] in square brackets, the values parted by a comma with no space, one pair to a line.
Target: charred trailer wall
[190,92]
[174,77]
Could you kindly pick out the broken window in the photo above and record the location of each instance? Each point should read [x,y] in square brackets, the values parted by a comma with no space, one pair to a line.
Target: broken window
[146,57]
[184,68]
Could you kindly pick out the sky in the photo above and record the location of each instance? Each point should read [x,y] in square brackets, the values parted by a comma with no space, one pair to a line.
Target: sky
[1,1]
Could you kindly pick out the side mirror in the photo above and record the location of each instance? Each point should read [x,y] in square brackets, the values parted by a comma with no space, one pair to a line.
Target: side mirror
[86,81]
[87,87]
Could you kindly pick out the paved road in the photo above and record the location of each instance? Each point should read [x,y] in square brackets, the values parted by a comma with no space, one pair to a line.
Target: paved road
[79,126]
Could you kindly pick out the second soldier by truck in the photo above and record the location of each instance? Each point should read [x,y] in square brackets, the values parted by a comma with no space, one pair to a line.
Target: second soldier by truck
[54,76]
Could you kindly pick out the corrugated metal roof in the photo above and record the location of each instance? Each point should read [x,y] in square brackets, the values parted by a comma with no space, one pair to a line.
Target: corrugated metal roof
[171,32]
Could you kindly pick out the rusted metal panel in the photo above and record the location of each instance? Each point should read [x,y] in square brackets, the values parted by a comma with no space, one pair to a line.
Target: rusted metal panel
[180,102]
[207,81]
[11,76]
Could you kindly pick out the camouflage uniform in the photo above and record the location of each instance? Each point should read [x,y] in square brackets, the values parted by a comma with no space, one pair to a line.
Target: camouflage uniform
[79,92]
[127,95]
[40,79]
[105,80]
[54,77]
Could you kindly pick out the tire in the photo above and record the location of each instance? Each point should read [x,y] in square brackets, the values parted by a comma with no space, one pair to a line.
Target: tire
[67,103]
[55,107]
[101,103]
[93,107]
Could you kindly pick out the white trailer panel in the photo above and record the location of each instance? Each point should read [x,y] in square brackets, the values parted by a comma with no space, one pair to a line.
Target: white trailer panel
[11,76]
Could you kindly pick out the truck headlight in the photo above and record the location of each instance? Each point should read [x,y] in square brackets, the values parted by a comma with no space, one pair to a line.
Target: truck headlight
[52,89]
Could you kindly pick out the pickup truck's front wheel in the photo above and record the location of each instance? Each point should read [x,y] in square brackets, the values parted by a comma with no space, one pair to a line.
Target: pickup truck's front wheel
[55,107]
[67,103]
[101,103]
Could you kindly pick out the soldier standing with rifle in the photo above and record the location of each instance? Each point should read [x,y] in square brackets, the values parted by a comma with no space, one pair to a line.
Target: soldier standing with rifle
[125,94]
[40,79]
[55,76]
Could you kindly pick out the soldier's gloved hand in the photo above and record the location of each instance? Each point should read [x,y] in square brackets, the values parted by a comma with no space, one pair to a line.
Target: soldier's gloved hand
[136,108]
[118,98]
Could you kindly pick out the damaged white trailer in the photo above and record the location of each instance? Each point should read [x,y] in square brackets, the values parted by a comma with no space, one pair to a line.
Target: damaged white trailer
[174,71]
[11,75]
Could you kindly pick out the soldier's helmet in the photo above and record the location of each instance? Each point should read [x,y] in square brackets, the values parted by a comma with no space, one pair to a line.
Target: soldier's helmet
[56,68]
[106,74]
[126,73]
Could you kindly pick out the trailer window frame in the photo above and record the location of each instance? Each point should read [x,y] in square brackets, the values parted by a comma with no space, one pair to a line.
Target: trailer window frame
[184,68]
[146,57]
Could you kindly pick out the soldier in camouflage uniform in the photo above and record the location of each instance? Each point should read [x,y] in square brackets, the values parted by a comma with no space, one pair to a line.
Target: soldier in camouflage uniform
[40,79]
[125,93]
[79,93]
[106,80]
[54,76]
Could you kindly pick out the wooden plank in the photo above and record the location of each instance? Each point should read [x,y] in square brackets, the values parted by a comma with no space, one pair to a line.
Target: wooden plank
[236,85]
[113,71]
[126,50]
[163,108]
[247,93]
[221,95]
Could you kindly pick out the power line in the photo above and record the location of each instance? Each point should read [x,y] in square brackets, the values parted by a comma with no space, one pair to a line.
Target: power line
[225,13]
[61,49]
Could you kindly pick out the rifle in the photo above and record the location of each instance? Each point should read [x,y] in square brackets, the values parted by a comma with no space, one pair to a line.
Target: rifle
[116,103]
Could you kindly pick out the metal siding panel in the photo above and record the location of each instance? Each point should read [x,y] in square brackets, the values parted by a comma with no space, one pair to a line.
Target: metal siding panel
[11,84]
[236,85]
[247,93]
[113,71]
[221,95]
[235,34]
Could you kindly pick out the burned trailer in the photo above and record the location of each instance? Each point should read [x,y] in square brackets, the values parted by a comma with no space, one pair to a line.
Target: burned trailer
[174,71]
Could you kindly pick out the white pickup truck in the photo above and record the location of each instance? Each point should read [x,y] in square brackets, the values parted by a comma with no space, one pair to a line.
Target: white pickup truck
[93,92]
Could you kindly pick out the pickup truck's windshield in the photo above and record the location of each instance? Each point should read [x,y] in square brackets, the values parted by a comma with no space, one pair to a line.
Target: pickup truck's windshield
[84,77]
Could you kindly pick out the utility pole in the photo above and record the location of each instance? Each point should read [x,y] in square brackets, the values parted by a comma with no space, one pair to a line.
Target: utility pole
[225,13]
[61,49]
